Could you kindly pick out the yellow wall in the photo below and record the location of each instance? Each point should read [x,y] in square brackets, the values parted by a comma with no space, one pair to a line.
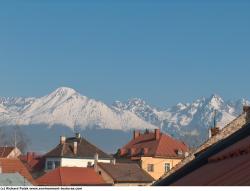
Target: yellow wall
[158,165]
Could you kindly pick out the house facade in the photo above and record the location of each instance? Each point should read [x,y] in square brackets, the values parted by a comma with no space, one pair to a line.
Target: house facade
[74,152]
[156,152]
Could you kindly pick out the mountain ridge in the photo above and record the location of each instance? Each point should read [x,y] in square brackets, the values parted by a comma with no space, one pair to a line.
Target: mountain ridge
[67,107]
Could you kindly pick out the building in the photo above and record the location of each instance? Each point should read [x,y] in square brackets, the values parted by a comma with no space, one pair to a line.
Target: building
[71,176]
[34,163]
[74,152]
[223,160]
[155,152]
[13,179]
[9,152]
[123,174]
[16,166]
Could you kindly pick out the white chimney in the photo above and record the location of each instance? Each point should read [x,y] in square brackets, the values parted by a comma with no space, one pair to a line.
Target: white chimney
[62,139]
[75,148]
[113,161]
[96,161]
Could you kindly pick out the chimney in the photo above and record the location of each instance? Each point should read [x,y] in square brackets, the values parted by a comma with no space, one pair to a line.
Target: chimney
[213,131]
[246,110]
[75,148]
[145,151]
[0,168]
[29,156]
[132,151]
[136,134]
[62,139]
[96,157]
[157,134]
[122,151]
[113,161]
[78,135]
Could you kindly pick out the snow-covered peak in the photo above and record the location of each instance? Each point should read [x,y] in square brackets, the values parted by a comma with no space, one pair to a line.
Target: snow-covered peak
[215,101]
[63,91]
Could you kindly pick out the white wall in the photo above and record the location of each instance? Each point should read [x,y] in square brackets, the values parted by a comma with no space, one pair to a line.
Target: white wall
[74,162]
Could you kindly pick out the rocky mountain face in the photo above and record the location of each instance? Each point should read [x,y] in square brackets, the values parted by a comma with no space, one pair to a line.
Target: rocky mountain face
[66,107]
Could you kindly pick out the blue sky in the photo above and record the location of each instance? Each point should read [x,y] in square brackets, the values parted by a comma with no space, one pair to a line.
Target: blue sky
[162,51]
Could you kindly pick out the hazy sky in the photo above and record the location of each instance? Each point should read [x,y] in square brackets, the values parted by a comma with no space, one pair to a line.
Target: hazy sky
[162,51]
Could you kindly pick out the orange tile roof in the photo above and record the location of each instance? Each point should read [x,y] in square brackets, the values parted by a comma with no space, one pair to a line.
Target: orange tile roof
[5,151]
[33,162]
[15,165]
[66,176]
[164,146]
[230,167]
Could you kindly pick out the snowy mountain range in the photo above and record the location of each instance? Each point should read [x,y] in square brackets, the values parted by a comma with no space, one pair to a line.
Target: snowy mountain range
[68,108]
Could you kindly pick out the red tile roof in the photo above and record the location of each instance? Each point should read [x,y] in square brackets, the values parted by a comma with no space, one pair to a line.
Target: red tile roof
[5,151]
[33,161]
[231,167]
[66,176]
[15,165]
[148,145]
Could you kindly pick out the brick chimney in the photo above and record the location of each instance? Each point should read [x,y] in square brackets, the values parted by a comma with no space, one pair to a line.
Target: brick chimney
[157,134]
[131,151]
[75,148]
[246,110]
[213,131]
[145,151]
[29,156]
[62,139]
[122,151]
[136,134]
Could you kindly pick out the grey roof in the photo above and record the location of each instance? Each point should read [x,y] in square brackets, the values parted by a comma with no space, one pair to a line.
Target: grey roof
[126,172]
[84,150]
[13,179]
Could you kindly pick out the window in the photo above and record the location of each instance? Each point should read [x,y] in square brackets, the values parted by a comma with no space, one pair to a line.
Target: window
[49,165]
[57,164]
[53,164]
[166,167]
[150,168]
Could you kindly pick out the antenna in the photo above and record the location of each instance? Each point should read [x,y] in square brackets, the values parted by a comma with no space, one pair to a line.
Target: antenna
[215,112]
[15,138]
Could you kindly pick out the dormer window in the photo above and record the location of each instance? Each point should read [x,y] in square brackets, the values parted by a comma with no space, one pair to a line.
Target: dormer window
[179,152]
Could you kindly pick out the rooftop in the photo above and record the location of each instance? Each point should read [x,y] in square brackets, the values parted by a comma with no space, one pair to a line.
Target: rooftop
[16,166]
[69,176]
[126,172]
[154,144]
[84,149]
[5,151]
